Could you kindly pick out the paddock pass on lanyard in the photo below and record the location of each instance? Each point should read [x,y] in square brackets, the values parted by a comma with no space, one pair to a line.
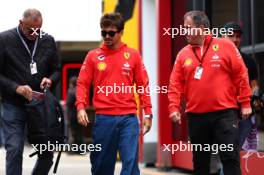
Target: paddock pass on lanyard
[33,68]
[199,69]
[198,72]
[33,64]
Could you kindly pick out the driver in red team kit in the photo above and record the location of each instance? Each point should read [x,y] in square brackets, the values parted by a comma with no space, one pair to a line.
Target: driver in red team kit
[113,69]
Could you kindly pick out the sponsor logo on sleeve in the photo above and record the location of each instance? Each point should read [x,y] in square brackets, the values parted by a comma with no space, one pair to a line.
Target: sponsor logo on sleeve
[101,66]
[188,61]
[101,57]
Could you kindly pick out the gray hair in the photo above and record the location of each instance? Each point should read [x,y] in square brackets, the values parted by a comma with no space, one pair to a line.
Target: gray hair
[199,18]
[32,13]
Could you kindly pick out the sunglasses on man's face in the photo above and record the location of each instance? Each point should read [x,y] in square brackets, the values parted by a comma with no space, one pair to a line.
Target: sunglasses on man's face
[32,31]
[110,33]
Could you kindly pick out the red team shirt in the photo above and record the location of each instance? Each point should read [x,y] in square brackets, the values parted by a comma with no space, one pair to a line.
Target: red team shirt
[107,69]
[223,83]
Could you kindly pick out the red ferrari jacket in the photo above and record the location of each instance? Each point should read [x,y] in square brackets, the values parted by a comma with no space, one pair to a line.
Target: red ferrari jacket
[223,82]
[113,74]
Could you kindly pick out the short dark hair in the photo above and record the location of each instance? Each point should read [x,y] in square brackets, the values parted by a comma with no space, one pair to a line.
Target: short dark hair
[112,19]
[234,26]
[199,18]
[32,13]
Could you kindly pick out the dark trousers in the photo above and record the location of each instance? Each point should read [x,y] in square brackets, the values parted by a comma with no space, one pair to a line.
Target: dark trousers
[77,131]
[215,128]
[245,126]
[14,121]
[115,133]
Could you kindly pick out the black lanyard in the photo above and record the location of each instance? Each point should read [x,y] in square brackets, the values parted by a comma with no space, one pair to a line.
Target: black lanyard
[203,55]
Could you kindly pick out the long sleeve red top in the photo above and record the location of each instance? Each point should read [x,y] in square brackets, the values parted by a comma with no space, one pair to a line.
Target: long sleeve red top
[107,69]
[223,83]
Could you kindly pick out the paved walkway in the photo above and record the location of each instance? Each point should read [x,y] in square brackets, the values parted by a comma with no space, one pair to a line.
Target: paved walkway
[76,165]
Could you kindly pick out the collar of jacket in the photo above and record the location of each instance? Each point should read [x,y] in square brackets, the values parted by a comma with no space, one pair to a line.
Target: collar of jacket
[206,42]
[108,50]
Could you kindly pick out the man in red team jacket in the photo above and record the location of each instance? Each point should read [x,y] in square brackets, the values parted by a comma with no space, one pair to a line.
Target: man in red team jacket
[211,75]
[113,69]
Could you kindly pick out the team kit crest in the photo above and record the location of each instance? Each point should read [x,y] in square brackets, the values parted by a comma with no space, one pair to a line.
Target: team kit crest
[215,47]
[126,55]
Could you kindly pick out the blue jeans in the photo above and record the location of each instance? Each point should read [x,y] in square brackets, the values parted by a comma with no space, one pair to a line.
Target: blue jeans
[1,135]
[115,133]
[14,121]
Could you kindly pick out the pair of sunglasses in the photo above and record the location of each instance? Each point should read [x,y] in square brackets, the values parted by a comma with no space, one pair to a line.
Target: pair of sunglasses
[110,33]
[31,31]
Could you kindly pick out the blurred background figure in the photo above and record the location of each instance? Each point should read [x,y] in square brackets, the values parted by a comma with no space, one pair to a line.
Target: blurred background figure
[76,130]
[248,136]
[1,127]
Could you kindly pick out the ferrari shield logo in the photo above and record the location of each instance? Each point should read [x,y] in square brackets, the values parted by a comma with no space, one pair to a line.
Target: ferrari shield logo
[215,47]
[126,55]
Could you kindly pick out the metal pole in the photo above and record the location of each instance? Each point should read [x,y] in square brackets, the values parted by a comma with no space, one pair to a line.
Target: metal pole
[252,8]
[239,10]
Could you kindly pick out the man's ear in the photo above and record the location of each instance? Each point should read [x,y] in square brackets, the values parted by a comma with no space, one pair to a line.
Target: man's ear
[122,32]
[20,22]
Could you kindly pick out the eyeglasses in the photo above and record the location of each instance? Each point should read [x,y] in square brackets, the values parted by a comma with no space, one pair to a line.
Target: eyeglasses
[110,33]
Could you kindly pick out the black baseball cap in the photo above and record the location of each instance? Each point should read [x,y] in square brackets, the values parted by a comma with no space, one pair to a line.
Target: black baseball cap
[233,25]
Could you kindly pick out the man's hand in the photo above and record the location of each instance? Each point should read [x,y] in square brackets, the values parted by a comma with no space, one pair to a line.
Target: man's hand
[25,91]
[245,112]
[147,125]
[45,83]
[176,117]
[82,117]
